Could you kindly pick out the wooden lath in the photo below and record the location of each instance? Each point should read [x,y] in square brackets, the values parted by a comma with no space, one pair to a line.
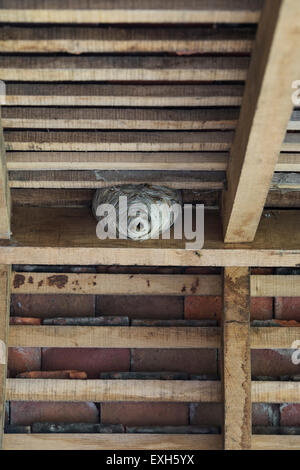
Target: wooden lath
[266,110]
[132,11]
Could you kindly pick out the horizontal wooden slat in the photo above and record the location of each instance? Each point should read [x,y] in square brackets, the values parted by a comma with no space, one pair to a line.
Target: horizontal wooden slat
[99,118]
[35,161]
[76,69]
[275,286]
[291,142]
[271,442]
[286,181]
[139,442]
[80,40]
[201,161]
[76,94]
[102,179]
[112,441]
[115,284]
[288,162]
[46,235]
[113,390]
[32,11]
[142,337]
[117,141]
[113,337]
[142,390]
[275,392]
[273,337]
[294,124]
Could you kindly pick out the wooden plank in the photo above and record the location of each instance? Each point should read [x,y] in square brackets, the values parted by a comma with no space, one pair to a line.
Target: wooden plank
[294,124]
[113,337]
[196,161]
[276,392]
[185,391]
[236,360]
[180,161]
[114,118]
[283,199]
[117,141]
[273,337]
[77,94]
[45,235]
[267,98]
[229,11]
[102,179]
[275,286]
[121,68]
[113,390]
[185,41]
[271,442]
[288,162]
[5,201]
[291,142]
[115,284]
[4,322]
[140,337]
[115,441]
[286,181]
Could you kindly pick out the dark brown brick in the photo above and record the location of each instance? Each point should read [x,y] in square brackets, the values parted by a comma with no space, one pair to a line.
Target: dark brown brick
[287,308]
[27,413]
[23,360]
[91,360]
[290,414]
[140,306]
[60,305]
[273,363]
[203,307]
[200,361]
[144,414]
[206,414]
[261,308]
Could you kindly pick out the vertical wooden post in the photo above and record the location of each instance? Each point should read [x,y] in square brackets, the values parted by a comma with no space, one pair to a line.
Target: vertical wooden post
[237,428]
[4,322]
[5,199]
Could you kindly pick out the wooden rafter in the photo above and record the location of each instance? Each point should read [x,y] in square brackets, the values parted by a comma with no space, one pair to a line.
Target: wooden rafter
[265,113]
[5,202]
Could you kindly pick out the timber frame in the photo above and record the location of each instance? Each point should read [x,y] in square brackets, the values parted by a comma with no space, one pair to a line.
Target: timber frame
[134,130]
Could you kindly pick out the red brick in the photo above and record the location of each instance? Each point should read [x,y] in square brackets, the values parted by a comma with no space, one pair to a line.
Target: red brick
[290,414]
[91,360]
[23,360]
[139,414]
[26,413]
[46,306]
[192,361]
[56,374]
[140,306]
[273,363]
[264,414]
[203,307]
[206,414]
[287,308]
[24,321]
[261,308]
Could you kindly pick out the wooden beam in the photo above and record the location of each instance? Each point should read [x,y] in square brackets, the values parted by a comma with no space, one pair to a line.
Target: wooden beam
[129,141]
[113,390]
[115,441]
[5,201]
[267,99]
[148,391]
[275,286]
[236,360]
[291,142]
[77,94]
[213,11]
[271,442]
[45,235]
[288,162]
[102,179]
[115,284]
[176,161]
[142,337]
[122,68]
[185,41]
[4,322]
[122,119]
[114,337]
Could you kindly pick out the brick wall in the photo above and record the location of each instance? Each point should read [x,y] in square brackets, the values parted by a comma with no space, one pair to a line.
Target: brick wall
[35,309]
